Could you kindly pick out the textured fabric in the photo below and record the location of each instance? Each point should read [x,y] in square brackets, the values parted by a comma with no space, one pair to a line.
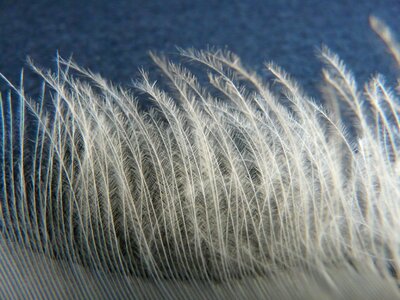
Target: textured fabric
[113,37]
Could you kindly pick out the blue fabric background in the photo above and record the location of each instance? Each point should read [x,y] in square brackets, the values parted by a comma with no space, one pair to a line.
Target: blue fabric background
[113,37]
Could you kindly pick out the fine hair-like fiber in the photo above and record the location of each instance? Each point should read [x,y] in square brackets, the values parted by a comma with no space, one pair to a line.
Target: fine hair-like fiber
[227,187]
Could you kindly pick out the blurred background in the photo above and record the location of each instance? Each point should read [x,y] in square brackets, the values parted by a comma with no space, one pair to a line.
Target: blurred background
[113,37]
